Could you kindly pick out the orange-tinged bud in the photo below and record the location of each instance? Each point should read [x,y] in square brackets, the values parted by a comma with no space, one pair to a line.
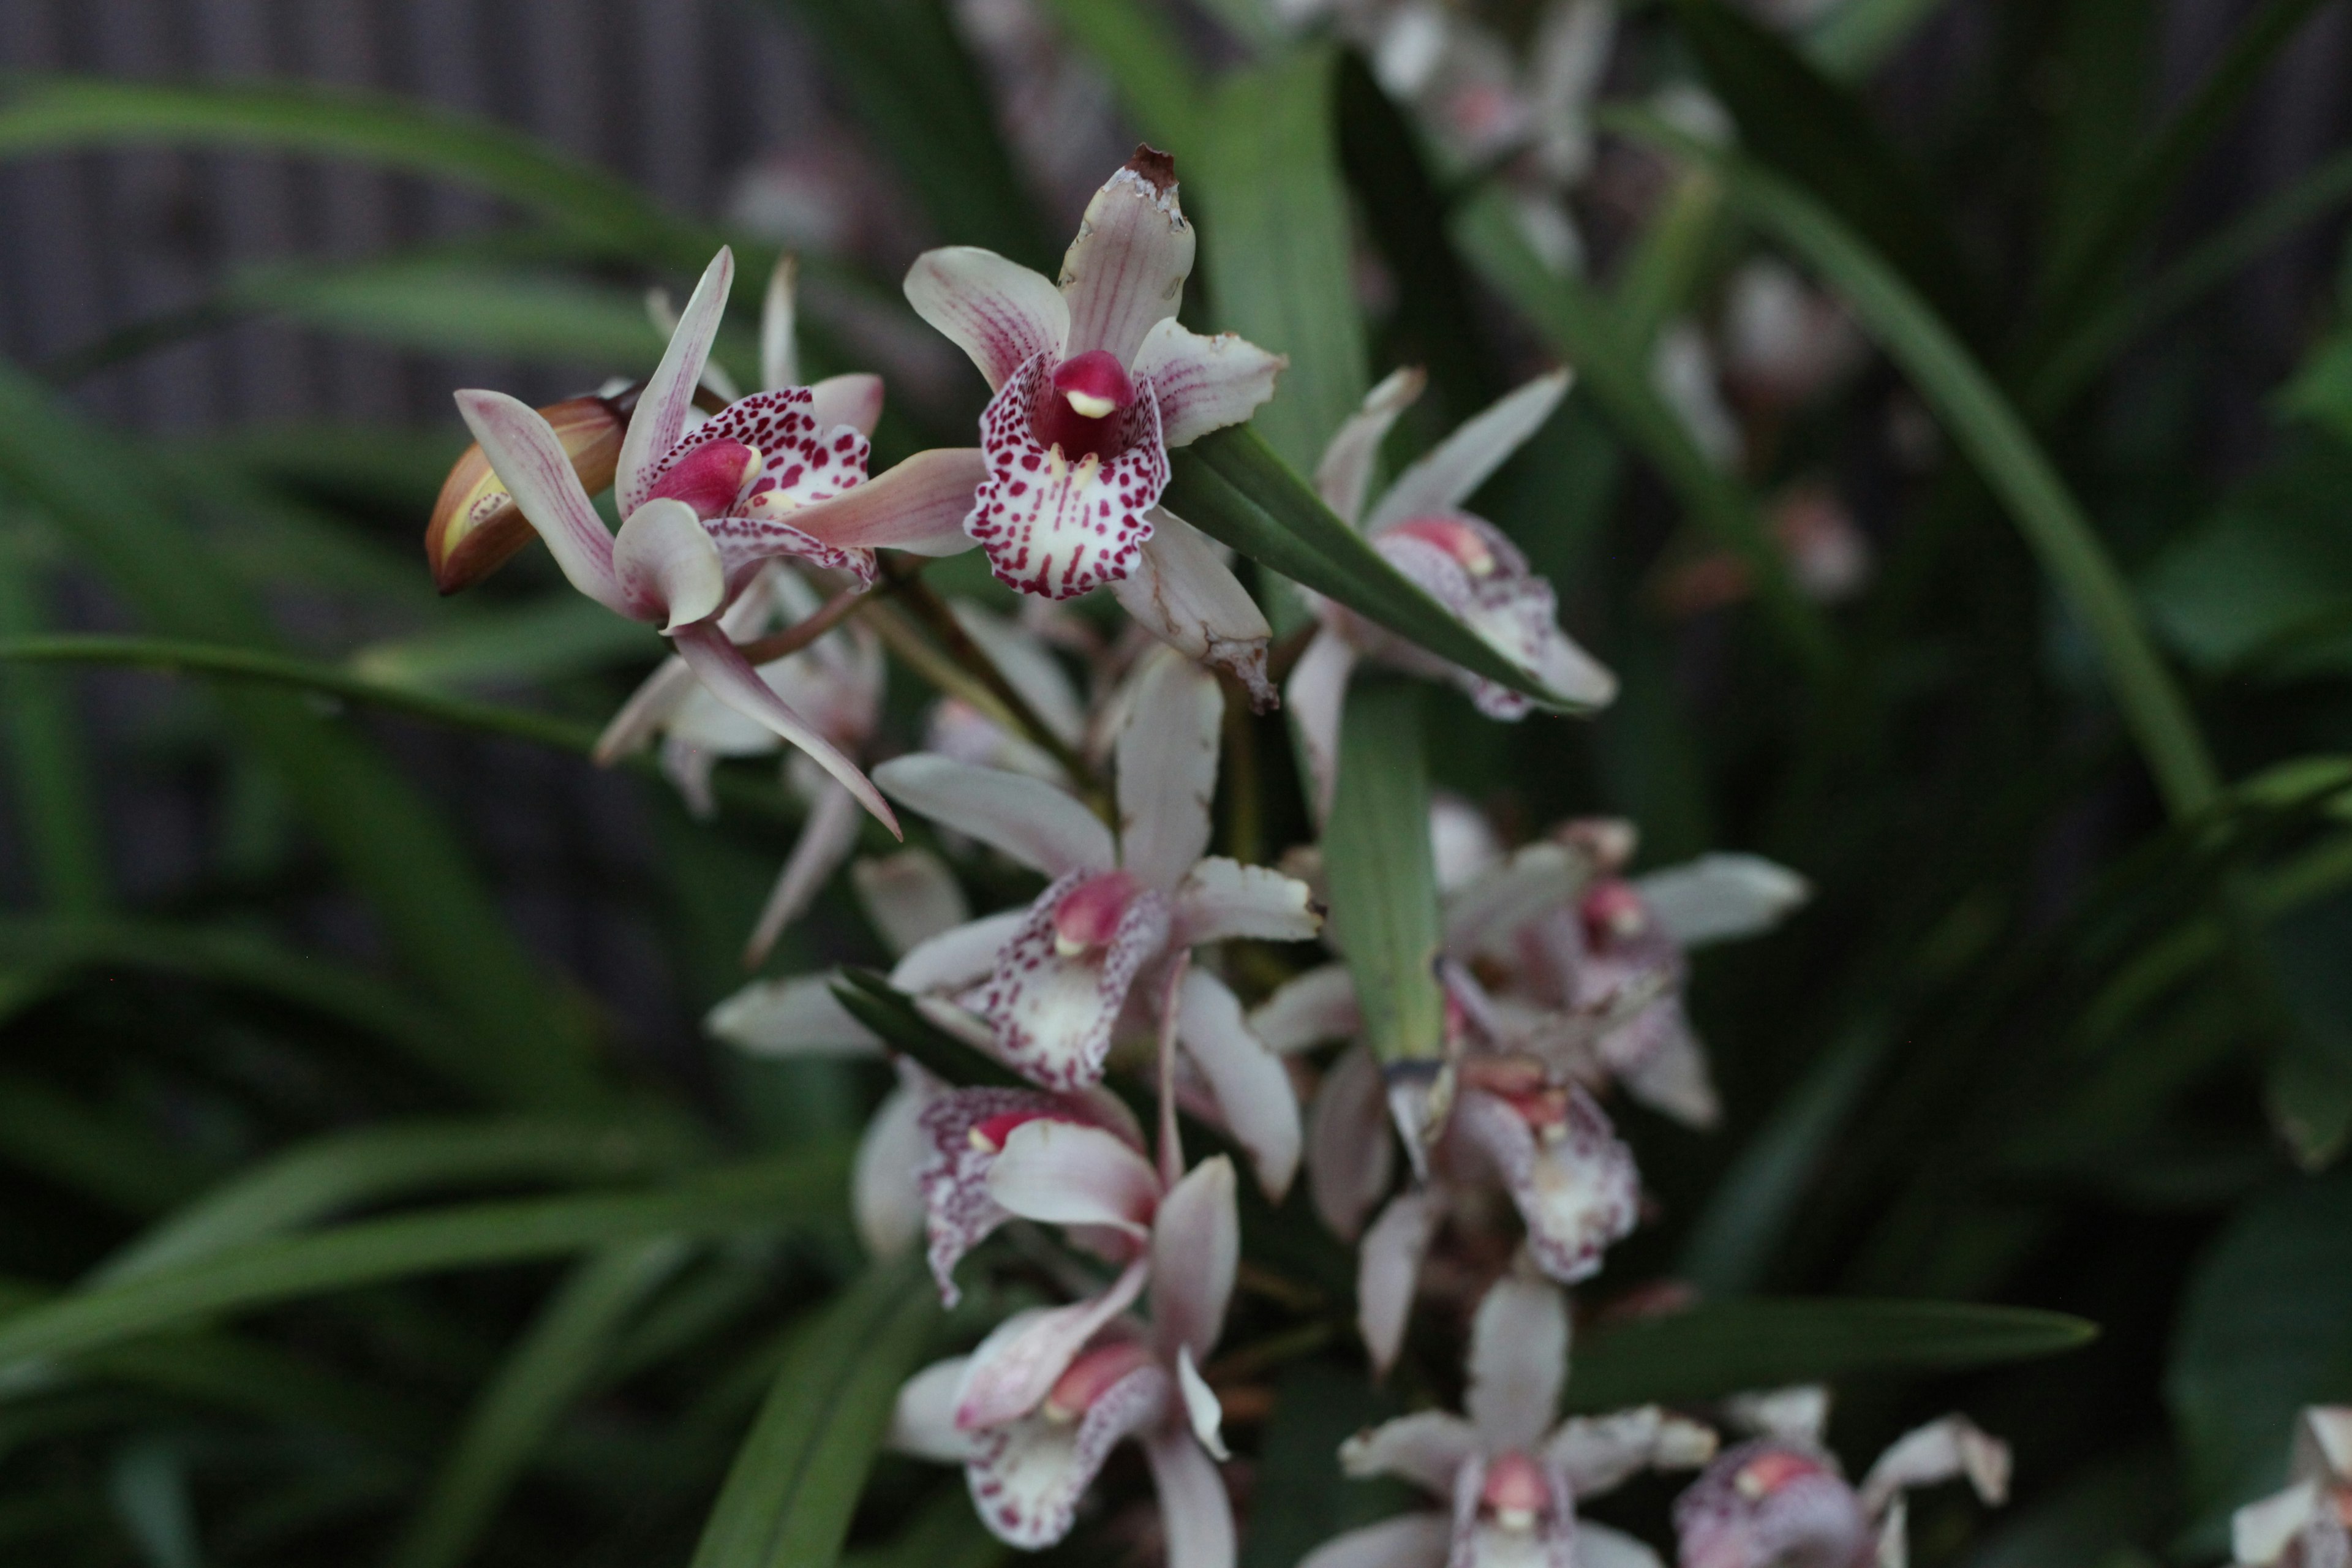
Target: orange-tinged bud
[476,525]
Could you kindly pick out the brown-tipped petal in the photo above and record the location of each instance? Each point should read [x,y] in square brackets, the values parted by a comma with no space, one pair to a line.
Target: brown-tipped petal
[477,528]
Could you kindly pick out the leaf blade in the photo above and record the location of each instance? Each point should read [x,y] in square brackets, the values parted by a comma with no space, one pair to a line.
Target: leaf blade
[1383,876]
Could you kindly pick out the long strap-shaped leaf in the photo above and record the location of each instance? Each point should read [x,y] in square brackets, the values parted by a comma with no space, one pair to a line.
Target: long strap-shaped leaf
[1988,429]
[1383,877]
[788,1499]
[784,1193]
[57,805]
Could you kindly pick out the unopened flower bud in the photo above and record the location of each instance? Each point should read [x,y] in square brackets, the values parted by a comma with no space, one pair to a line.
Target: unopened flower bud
[477,526]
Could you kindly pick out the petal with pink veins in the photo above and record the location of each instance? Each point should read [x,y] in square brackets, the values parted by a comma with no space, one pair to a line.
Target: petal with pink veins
[1428,1449]
[918,507]
[1254,1097]
[1662,1064]
[1181,592]
[1125,272]
[1062,1172]
[1054,1010]
[1167,755]
[1351,1159]
[1518,1358]
[1196,1245]
[1316,696]
[1344,477]
[1388,1272]
[1194,1510]
[1203,383]
[1408,1541]
[668,569]
[1574,1185]
[1220,900]
[530,460]
[1027,1476]
[1055,526]
[853,399]
[997,312]
[1028,820]
[1450,472]
[1017,1366]
[719,664]
[746,543]
[659,419]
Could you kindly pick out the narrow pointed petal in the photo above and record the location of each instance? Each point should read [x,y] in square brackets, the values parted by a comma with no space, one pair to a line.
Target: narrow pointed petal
[1181,592]
[883,1198]
[997,312]
[529,459]
[909,897]
[1024,660]
[1799,1414]
[1055,527]
[1350,1160]
[1344,477]
[1125,272]
[922,1423]
[1538,879]
[1408,1541]
[1518,1357]
[650,707]
[668,567]
[1428,1449]
[1941,1450]
[1202,1412]
[1578,1191]
[1308,1009]
[1600,1453]
[780,359]
[1027,1476]
[853,399]
[1895,1535]
[1388,1272]
[918,506]
[2323,1443]
[826,838]
[1254,1097]
[1661,1063]
[1513,610]
[1220,900]
[720,666]
[1718,897]
[1317,694]
[1193,1507]
[2261,1533]
[660,417]
[1167,756]
[795,1017]
[1598,1546]
[961,956]
[1059,1173]
[1196,1248]
[1028,820]
[1053,1011]
[1203,383]
[1444,477]
[1017,1366]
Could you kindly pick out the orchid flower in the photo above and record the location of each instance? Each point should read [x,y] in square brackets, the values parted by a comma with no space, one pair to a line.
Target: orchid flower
[779,473]
[1054,980]
[1509,1477]
[1094,381]
[1034,1411]
[1463,562]
[2309,1524]
[1780,1500]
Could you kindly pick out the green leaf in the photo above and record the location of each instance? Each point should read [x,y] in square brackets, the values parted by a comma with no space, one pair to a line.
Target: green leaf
[2308,1079]
[2263,1333]
[1278,245]
[1301,1498]
[783,1193]
[1232,486]
[566,1346]
[1854,39]
[560,635]
[1383,878]
[795,1482]
[99,1151]
[890,1013]
[148,1483]
[1983,423]
[946,1533]
[55,798]
[1724,1347]
[1613,370]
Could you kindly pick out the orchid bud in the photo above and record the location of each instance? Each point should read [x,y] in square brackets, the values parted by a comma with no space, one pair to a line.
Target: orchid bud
[477,527]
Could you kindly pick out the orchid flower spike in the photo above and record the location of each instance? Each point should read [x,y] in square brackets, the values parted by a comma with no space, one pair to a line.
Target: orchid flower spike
[1780,1500]
[2309,1524]
[1034,1411]
[780,473]
[1462,561]
[1055,980]
[1510,1477]
[1094,381]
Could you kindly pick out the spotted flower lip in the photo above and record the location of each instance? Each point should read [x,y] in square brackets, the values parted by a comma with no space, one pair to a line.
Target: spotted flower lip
[1511,1474]
[2309,1524]
[1094,381]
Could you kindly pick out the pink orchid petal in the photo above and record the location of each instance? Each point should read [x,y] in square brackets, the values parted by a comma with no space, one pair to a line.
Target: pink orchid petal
[922,1421]
[1193,1507]
[660,416]
[1483,1542]
[1181,592]
[1015,1367]
[1717,898]
[1028,820]
[1577,1192]
[1428,1449]
[1307,1010]
[1518,1358]
[1255,1101]
[1387,1271]
[746,544]
[1447,475]
[1408,1541]
[1316,696]
[1202,1411]
[1345,475]
[667,567]
[884,1201]
[853,399]
[1351,1159]
[796,1018]
[1203,383]
[959,1209]
[825,841]
[1772,1502]
[1944,1449]
[909,897]
[1600,1453]
[1167,756]
[1196,1246]
[1051,527]
[802,458]
[959,957]
[1510,609]
[530,460]
[1057,1172]
[1027,1476]
[1662,1064]
[720,666]
[780,360]
[997,312]
[1053,1013]
[1220,900]
[1125,272]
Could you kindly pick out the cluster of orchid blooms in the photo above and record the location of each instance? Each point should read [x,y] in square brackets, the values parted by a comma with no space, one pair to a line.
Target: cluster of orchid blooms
[749,533]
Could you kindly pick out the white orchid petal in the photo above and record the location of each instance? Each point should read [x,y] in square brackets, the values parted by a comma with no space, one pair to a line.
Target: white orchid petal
[654,704]
[2262,1533]
[853,399]
[1661,1063]
[1344,477]
[1015,1367]
[909,897]
[1196,1244]
[1388,1273]
[1125,272]
[884,1201]
[1030,820]
[1059,1173]
[1029,666]
[1180,591]
[923,1421]
[1308,1010]
[1193,1507]
[660,417]
[667,567]
[780,360]
[1408,1541]
[1598,1546]
[825,840]
[795,1017]
[1254,1097]
[1600,1453]
[1446,475]
[1718,897]
[1428,1449]
[1941,1450]
[1203,383]
[1027,1476]
[529,457]
[1202,1411]
[1167,756]
[918,506]
[959,957]
[1536,880]
[1220,900]
[1054,1010]
[997,312]
[1316,696]
[720,666]
[1351,1159]
[1518,1358]
[1577,1192]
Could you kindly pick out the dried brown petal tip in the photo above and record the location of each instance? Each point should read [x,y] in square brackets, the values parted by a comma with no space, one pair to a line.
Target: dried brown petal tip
[1157,168]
